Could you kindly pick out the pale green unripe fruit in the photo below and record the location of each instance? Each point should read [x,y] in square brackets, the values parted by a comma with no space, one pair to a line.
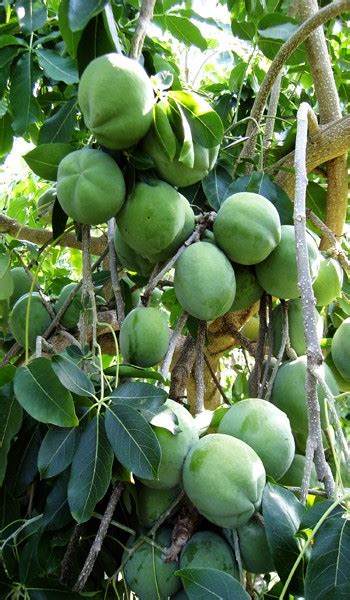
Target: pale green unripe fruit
[204,281]
[181,237]
[175,448]
[328,283]
[129,259]
[277,274]
[146,574]
[266,429]
[38,321]
[153,502]
[207,549]
[248,289]
[294,476]
[116,98]
[255,552]
[90,186]
[247,228]
[22,283]
[296,327]
[71,315]
[224,478]
[341,349]
[144,337]
[151,218]
[6,280]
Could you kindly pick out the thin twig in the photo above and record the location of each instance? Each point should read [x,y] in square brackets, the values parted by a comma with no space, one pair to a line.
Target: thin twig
[270,337]
[88,296]
[68,559]
[238,555]
[199,367]
[145,16]
[215,379]
[285,336]
[172,344]
[254,379]
[312,492]
[114,273]
[36,285]
[335,248]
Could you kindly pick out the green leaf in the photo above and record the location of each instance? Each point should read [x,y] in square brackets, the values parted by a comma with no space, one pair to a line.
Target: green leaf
[73,378]
[329,564]
[215,186]
[164,131]
[244,30]
[202,583]
[206,125]
[44,159]
[81,11]
[282,513]
[42,395]
[56,512]
[237,76]
[60,127]
[274,30]
[339,592]
[183,132]
[135,372]
[10,422]
[25,108]
[185,31]
[70,38]
[11,40]
[6,135]
[56,67]
[32,14]
[56,451]
[316,512]
[146,398]
[58,220]
[91,471]
[7,55]
[133,440]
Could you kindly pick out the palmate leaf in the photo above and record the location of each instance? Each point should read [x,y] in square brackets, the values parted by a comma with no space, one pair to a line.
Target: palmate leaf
[203,584]
[91,471]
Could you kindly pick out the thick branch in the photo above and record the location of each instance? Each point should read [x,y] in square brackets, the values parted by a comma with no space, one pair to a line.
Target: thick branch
[146,14]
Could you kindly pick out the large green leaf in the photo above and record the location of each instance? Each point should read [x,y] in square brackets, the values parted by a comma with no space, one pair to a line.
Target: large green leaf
[202,584]
[60,127]
[206,125]
[215,186]
[56,512]
[57,67]
[329,564]
[6,134]
[32,14]
[146,398]
[70,38]
[25,108]
[339,592]
[274,30]
[44,159]
[73,378]
[91,471]
[10,423]
[282,513]
[42,395]
[245,30]
[133,440]
[81,11]
[185,31]
[315,513]
[183,132]
[56,451]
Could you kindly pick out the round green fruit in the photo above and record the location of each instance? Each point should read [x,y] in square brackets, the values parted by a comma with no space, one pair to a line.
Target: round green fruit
[90,186]
[255,552]
[129,259]
[38,319]
[288,393]
[254,421]
[146,574]
[116,98]
[340,349]
[71,315]
[328,283]
[250,329]
[153,502]
[175,447]
[247,228]
[182,236]
[295,326]
[144,337]
[206,549]
[224,478]
[248,289]
[277,274]
[204,281]
[21,283]
[174,171]
[293,477]
[151,218]
[6,280]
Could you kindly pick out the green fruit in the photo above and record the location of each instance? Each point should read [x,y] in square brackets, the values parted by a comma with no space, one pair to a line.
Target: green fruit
[295,325]
[38,319]
[206,549]
[151,218]
[293,477]
[224,478]
[174,171]
[278,273]
[175,447]
[341,349]
[204,281]
[71,315]
[182,236]
[153,502]
[250,329]
[181,595]
[90,186]
[129,259]
[264,428]
[255,552]
[328,283]
[21,282]
[248,289]
[247,228]
[146,574]
[343,385]
[6,280]
[144,337]
[288,393]
[116,98]
[45,204]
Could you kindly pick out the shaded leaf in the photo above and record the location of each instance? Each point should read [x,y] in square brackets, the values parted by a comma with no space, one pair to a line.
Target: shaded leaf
[81,11]
[237,76]
[9,508]
[59,220]
[73,378]
[23,460]
[32,14]
[6,135]
[315,513]
[56,513]
[340,592]
[141,396]
[44,159]
[70,38]
[91,471]
[56,451]
[244,30]
[132,371]
[215,186]
[25,108]
[42,395]
[10,422]
[133,441]
[185,31]
[95,41]
[274,30]
[203,583]
[57,67]
[60,126]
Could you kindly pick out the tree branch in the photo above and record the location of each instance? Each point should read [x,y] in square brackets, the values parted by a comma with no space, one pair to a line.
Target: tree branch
[199,367]
[146,14]
[114,273]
